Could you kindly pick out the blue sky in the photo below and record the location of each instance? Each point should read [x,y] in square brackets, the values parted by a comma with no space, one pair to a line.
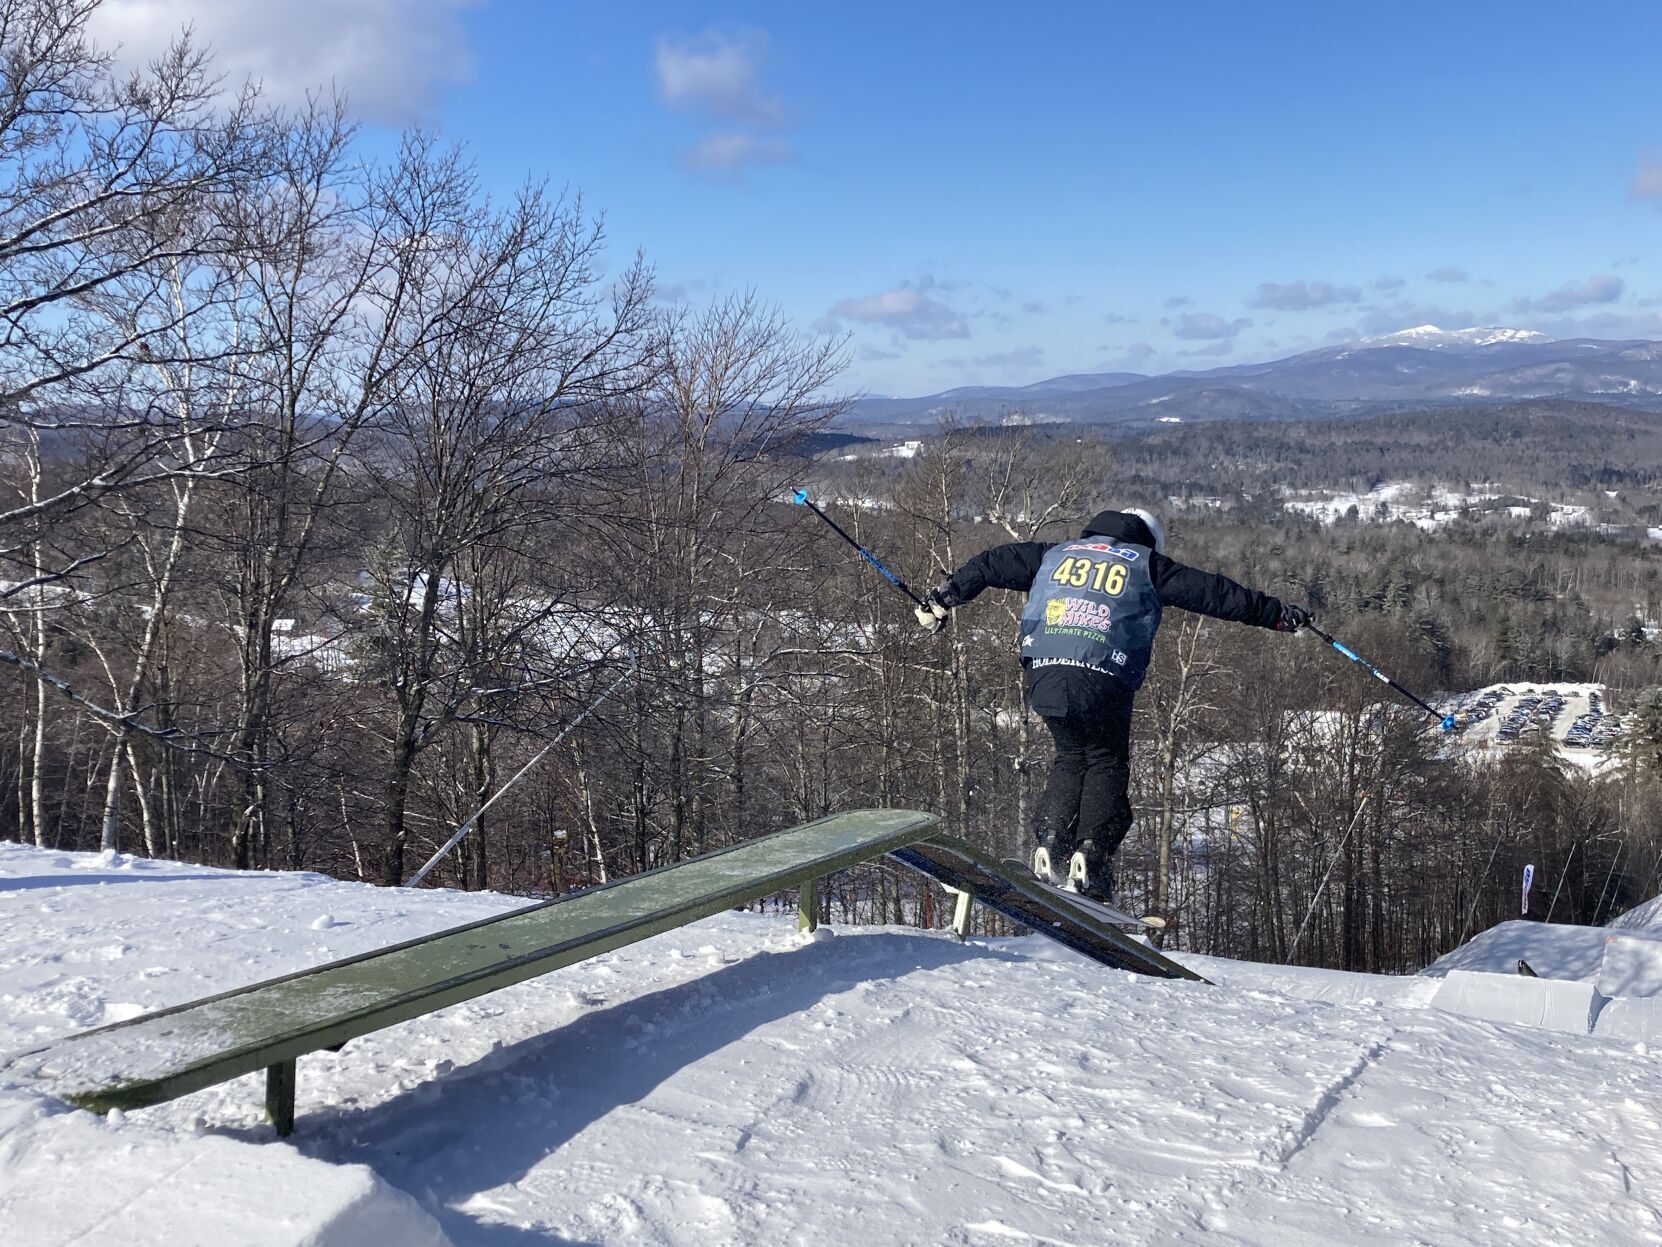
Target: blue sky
[996,193]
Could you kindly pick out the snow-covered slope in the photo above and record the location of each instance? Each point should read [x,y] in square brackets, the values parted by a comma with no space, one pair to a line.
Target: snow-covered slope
[735,1083]
[1641,919]
[1432,338]
[74,1178]
[1555,951]
[1429,506]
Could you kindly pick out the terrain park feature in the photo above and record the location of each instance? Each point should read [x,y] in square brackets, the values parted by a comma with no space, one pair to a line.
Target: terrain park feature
[267,1026]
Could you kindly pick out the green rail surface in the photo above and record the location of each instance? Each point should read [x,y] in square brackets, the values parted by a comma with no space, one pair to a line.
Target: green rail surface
[170,1053]
[965,868]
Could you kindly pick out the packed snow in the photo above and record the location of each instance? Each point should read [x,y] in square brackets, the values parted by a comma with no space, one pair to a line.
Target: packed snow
[735,1082]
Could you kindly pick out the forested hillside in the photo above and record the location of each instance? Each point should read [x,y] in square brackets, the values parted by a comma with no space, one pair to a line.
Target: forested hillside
[335,493]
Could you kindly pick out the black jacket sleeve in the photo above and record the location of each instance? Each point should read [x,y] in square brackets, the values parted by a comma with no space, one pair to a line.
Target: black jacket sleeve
[1207,593]
[1010,566]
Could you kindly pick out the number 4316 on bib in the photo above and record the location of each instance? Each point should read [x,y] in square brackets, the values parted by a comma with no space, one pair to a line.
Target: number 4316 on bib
[1103,575]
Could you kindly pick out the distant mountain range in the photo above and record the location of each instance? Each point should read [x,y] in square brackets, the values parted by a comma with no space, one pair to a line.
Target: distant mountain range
[1421,366]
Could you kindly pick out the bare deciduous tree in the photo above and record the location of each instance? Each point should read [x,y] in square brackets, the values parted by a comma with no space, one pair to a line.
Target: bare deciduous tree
[511,341]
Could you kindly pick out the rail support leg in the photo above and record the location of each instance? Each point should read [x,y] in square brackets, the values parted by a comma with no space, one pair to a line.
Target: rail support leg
[807,906]
[961,914]
[279,1097]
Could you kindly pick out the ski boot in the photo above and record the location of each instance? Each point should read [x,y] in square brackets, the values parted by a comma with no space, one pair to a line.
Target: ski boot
[1092,879]
[1047,862]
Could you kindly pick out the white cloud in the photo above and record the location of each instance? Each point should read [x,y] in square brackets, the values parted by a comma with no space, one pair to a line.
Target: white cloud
[392,58]
[908,309]
[1211,350]
[716,72]
[732,153]
[1300,296]
[1447,273]
[1647,183]
[1133,358]
[1388,285]
[1377,321]
[1619,325]
[1021,359]
[673,293]
[1601,289]
[1206,326]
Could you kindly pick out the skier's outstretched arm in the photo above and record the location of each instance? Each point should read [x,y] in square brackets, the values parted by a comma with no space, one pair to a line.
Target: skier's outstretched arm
[1207,593]
[1010,566]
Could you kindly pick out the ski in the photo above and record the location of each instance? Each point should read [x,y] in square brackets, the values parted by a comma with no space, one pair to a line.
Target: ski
[1107,912]
[1067,919]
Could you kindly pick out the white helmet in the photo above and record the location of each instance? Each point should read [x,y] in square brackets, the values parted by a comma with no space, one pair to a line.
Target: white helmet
[1154,526]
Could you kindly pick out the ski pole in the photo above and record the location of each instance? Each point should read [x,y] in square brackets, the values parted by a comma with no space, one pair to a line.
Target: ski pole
[800,497]
[1446,720]
[472,819]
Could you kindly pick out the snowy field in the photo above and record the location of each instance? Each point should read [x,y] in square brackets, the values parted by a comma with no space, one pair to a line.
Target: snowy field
[1425,506]
[733,1082]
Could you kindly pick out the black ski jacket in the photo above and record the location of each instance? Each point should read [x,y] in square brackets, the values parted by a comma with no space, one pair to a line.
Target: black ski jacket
[1063,691]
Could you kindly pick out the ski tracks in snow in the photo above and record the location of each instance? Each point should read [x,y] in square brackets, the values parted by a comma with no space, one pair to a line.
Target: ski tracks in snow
[892,1088]
[1328,1100]
[1449,1131]
[731,1083]
[1274,1160]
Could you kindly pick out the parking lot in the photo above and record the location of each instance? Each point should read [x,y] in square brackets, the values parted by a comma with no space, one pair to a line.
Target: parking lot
[1521,711]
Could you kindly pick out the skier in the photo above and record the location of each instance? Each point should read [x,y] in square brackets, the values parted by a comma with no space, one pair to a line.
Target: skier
[1086,633]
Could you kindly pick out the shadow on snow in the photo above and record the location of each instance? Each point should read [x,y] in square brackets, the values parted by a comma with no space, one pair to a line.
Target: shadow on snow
[487,1126]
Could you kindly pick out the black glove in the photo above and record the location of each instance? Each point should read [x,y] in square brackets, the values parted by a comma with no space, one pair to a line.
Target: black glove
[1293,618]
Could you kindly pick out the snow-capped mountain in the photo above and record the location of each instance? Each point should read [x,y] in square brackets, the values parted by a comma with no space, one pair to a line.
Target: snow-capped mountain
[1423,365]
[1433,338]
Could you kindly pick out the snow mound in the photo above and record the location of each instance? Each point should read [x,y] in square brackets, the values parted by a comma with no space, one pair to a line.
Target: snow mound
[1553,1004]
[1632,966]
[1591,981]
[1644,917]
[1553,951]
[69,1177]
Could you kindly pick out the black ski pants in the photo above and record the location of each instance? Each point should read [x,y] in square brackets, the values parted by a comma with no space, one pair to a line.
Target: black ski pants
[1086,796]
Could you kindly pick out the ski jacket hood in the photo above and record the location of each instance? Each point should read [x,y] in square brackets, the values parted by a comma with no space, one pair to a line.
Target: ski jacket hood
[1124,526]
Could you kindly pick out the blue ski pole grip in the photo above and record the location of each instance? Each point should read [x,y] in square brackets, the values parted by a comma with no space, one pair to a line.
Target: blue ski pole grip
[1448,723]
[800,497]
